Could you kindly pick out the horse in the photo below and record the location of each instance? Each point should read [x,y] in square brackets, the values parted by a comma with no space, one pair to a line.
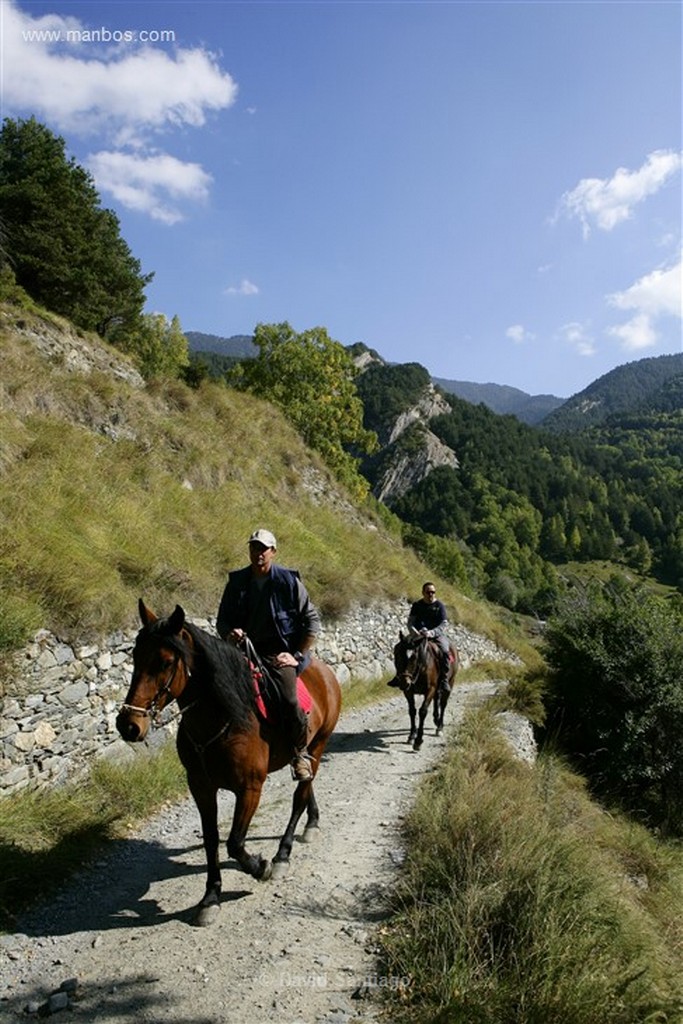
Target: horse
[223,740]
[417,662]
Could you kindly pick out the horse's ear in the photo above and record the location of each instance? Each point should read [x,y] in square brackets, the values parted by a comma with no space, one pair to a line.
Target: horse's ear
[400,635]
[146,614]
[177,620]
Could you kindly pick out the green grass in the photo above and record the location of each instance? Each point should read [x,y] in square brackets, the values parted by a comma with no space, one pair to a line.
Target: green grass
[521,902]
[46,835]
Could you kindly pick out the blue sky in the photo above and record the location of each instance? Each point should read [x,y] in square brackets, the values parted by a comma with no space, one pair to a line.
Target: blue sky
[490,189]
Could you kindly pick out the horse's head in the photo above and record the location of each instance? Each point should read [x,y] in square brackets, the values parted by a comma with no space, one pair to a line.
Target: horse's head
[161,669]
[406,660]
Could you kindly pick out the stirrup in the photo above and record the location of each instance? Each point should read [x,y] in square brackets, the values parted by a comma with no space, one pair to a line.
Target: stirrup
[301,767]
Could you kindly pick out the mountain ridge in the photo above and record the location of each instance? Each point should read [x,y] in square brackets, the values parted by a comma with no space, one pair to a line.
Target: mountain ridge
[621,389]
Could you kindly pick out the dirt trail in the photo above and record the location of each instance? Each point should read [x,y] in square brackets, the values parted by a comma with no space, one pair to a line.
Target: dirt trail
[290,951]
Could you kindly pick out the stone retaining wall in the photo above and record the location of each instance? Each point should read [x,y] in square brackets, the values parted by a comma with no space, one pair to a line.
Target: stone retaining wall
[72,693]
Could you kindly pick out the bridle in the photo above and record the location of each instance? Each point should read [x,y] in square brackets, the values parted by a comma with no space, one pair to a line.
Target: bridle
[154,710]
[414,649]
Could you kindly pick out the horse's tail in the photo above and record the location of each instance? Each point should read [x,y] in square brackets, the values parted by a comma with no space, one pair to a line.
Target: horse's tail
[456,659]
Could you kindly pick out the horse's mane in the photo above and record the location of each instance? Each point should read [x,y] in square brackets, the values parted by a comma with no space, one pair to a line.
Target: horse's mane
[218,666]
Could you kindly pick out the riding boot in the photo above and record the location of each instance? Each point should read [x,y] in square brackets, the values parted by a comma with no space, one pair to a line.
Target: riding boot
[297,726]
[394,682]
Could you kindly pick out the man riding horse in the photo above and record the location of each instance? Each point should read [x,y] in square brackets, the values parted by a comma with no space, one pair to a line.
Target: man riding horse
[428,618]
[270,605]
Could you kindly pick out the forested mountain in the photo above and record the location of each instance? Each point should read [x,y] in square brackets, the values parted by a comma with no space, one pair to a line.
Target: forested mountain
[498,504]
[503,399]
[523,499]
[238,346]
[623,389]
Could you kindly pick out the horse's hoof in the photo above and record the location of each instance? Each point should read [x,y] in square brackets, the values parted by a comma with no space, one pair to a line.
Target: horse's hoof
[279,868]
[311,834]
[265,871]
[417,746]
[207,915]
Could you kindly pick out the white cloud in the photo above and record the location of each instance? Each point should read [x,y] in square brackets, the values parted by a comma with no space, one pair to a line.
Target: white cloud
[126,93]
[606,202]
[519,334]
[656,295]
[123,87]
[636,334]
[578,336]
[141,182]
[245,287]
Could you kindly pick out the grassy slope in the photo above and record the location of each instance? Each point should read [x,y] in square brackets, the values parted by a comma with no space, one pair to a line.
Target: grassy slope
[521,902]
[90,523]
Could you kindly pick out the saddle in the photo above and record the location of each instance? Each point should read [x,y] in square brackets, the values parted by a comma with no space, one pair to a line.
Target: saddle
[268,698]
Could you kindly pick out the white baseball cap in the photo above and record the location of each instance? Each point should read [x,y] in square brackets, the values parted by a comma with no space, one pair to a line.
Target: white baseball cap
[264,537]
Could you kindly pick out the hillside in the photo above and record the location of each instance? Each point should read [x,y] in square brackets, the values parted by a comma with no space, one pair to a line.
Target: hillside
[112,489]
[517,501]
[623,390]
[503,399]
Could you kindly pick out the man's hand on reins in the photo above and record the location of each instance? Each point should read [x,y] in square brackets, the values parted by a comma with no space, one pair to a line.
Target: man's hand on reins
[285,660]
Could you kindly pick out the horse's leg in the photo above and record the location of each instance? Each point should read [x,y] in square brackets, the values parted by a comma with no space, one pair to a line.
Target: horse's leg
[316,750]
[422,714]
[411,711]
[443,701]
[205,797]
[246,802]
[302,799]
[312,819]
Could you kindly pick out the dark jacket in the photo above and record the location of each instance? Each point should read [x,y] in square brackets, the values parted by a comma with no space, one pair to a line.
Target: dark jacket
[293,615]
[428,616]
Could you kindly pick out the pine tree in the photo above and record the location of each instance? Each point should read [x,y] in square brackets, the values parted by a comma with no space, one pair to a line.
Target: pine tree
[65,249]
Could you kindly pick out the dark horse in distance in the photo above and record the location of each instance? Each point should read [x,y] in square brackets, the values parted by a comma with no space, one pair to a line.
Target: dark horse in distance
[223,741]
[417,672]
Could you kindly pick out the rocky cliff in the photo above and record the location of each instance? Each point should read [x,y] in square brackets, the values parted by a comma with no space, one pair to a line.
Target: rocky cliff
[411,451]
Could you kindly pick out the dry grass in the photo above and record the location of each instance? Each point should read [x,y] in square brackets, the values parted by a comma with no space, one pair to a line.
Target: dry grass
[522,902]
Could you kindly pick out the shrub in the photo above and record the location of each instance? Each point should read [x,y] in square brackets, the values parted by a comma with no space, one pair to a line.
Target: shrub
[615,699]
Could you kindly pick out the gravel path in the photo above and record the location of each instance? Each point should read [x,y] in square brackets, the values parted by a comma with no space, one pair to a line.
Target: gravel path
[121,943]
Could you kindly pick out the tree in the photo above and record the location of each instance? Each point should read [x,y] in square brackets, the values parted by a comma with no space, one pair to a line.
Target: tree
[65,249]
[311,378]
[159,347]
[615,700]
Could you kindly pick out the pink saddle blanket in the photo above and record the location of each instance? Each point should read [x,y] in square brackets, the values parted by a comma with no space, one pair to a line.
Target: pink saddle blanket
[305,699]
